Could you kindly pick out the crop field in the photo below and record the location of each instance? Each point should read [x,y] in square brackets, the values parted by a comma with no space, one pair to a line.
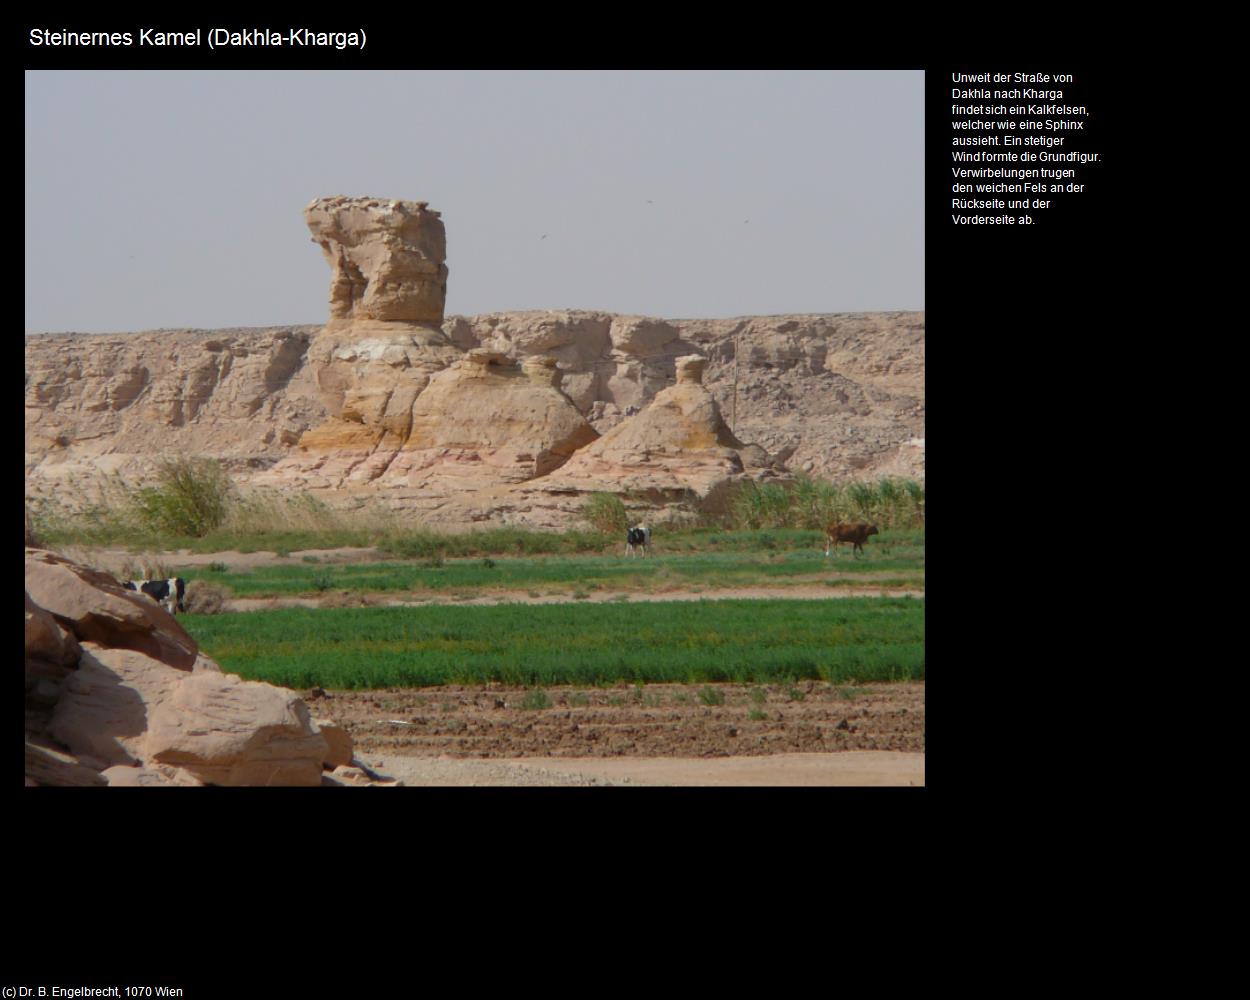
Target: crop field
[504,643]
[897,560]
[853,640]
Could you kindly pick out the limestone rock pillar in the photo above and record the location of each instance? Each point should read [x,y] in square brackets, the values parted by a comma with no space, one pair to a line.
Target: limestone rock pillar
[384,338]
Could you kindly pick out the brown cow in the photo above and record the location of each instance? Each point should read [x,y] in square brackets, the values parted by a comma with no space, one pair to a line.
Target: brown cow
[855,533]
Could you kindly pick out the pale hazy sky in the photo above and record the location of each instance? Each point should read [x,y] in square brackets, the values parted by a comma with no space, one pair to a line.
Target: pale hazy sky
[175,199]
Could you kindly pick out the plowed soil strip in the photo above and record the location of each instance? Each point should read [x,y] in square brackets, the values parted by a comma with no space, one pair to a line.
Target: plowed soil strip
[629,722]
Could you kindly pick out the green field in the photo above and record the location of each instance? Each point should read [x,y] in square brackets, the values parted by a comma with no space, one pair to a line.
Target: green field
[900,554]
[845,641]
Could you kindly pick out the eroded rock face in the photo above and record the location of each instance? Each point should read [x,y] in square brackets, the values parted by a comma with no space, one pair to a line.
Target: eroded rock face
[678,443]
[487,409]
[96,608]
[242,397]
[103,710]
[387,259]
[117,693]
[837,396]
[374,380]
[258,735]
[390,402]
[383,340]
[149,777]
[338,413]
[339,743]
[51,651]
[46,765]
[483,423]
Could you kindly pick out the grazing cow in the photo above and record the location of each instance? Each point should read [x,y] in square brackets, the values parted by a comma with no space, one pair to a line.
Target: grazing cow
[638,537]
[857,534]
[169,593]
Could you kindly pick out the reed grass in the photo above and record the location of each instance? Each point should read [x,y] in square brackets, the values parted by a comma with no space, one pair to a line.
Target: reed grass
[605,512]
[813,503]
[194,508]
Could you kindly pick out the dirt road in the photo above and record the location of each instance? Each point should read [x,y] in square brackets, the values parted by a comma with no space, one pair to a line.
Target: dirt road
[800,770]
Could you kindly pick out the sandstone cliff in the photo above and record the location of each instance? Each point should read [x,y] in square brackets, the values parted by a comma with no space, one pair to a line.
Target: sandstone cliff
[678,443]
[483,423]
[475,418]
[839,396]
[387,260]
[116,402]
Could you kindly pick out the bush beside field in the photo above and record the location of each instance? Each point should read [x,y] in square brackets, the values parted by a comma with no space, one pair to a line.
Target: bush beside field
[194,506]
[814,503]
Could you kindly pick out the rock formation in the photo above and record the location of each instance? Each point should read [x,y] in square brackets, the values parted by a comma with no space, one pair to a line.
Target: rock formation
[392,403]
[118,402]
[410,412]
[387,260]
[678,445]
[382,342]
[387,288]
[487,410]
[118,694]
[483,422]
[837,396]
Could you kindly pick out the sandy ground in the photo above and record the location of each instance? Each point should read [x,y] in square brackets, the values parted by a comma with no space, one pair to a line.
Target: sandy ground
[798,770]
[806,734]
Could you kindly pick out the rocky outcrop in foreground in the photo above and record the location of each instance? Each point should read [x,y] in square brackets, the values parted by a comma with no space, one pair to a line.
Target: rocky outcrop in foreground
[117,693]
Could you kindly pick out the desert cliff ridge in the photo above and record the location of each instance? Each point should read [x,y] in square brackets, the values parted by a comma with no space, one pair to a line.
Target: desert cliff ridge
[837,396]
[503,416]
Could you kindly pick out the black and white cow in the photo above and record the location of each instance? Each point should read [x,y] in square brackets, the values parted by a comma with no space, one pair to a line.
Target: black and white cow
[169,593]
[638,537]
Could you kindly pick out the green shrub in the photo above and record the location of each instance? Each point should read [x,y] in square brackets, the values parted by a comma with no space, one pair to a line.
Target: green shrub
[606,513]
[191,498]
